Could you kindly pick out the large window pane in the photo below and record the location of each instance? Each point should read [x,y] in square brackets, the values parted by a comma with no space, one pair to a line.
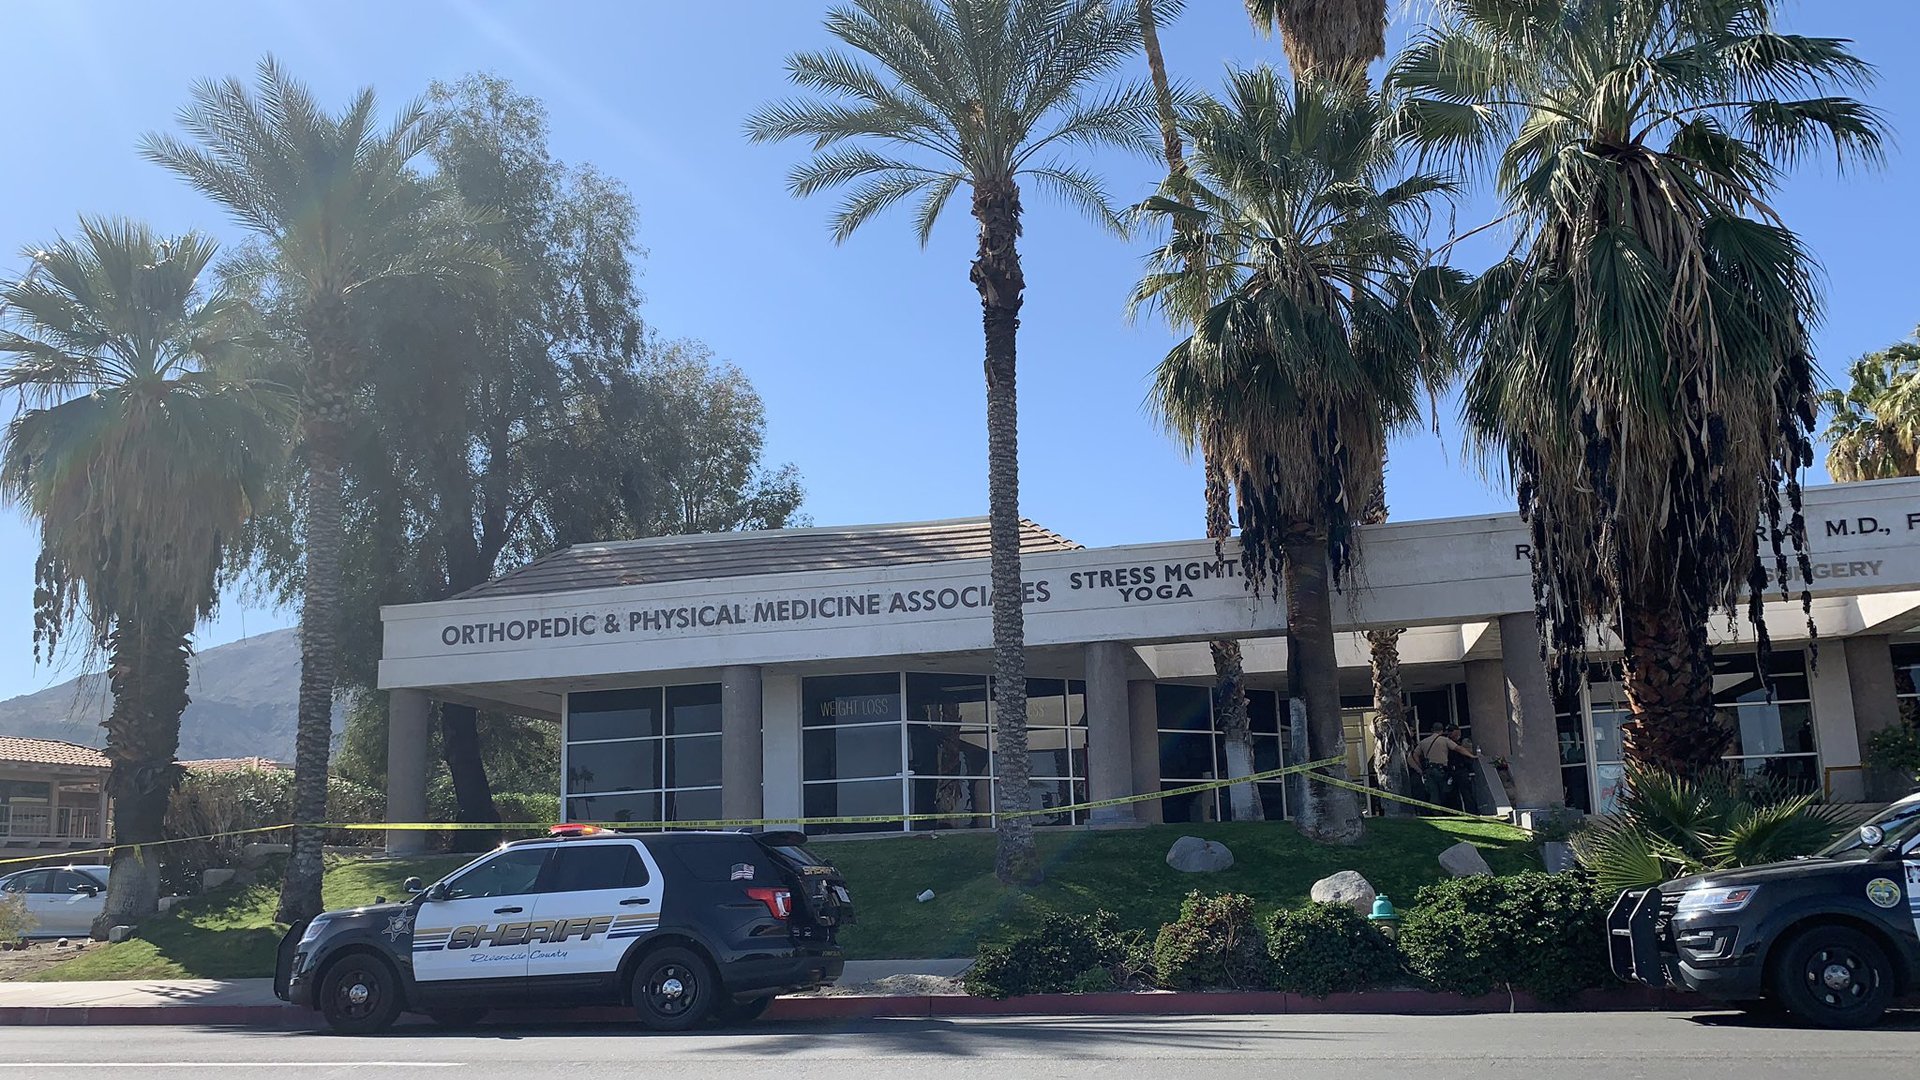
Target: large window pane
[1183,708]
[1046,703]
[1800,772]
[947,699]
[1186,757]
[867,797]
[1053,794]
[693,805]
[955,796]
[947,750]
[832,700]
[641,808]
[693,762]
[613,766]
[1606,733]
[1076,702]
[1573,737]
[1200,806]
[613,714]
[693,710]
[1263,712]
[1053,751]
[847,752]
[1769,729]
[1736,678]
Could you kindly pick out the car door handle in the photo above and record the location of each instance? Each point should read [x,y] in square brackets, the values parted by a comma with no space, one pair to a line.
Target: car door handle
[507,911]
[632,901]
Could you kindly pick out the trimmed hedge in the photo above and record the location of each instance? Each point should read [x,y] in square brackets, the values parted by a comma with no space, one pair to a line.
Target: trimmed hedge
[1215,943]
[1545,934]
[1326,949]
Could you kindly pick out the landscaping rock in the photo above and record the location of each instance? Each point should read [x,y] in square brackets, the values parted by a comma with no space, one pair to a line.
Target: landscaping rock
[254,854]
[1346,887]
[167,902]
[118,934]
[1464,860]
[216,877]
[1192,855]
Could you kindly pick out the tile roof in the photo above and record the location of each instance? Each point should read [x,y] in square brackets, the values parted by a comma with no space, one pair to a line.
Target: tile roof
[234,764]
[50,752]
[778,551]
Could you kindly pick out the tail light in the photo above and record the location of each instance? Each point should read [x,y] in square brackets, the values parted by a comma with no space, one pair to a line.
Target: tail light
[779,901]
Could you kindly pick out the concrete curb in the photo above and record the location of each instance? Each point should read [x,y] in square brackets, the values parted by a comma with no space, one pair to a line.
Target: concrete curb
[1406,1002]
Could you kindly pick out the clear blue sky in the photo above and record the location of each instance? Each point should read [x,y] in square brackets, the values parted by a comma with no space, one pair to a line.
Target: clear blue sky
[868,355]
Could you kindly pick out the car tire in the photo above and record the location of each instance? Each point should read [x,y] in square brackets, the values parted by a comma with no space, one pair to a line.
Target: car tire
[732,1011]
[458,1018]
[1833,977]
[360,995]
[674,989]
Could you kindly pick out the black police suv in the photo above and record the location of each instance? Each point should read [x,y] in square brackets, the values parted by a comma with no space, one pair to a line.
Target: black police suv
[1833,937]
[684,927]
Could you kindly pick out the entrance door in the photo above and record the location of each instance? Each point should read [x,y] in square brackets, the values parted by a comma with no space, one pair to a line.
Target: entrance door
[478,928]
[597,898]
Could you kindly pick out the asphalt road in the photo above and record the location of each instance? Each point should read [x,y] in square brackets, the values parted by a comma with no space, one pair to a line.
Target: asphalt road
[1580,1046]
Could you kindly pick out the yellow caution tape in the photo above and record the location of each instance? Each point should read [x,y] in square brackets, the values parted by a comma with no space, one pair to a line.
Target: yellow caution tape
[1445,811]
[741,823]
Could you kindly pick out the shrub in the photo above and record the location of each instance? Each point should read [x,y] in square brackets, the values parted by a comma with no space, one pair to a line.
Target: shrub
[1542,933]
[1054,959]
[1214,943]
[1324,949]
[1666,826]
[1096,980]
[1896,749]
[14,920]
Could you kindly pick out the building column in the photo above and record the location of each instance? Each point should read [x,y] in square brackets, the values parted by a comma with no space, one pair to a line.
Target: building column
[409,729]
[741,746]
[1487,708]
[1143,717]
[780,751]
[1109,731]
[1875,705]
[1830,688]
[1533,738]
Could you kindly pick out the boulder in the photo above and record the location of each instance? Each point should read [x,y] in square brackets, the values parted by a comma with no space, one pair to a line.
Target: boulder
[1464,860]
[1192,855]
[118,934]
[167,902]
[254,854]
[1346,887]
[216,877]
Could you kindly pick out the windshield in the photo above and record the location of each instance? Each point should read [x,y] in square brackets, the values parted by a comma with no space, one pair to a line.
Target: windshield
[1898,824]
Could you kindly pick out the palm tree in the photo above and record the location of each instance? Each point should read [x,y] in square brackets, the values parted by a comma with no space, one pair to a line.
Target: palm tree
[1337,39]
[339,212]
[139,458]
[981,93]
[1318,329]
[1325,37]
[1642,362]
[1229,668]
[1875,430]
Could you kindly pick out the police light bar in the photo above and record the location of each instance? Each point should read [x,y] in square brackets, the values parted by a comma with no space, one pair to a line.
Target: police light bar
[575,830]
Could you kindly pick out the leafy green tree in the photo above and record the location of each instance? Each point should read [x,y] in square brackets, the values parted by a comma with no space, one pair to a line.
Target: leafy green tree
[139,456]
[341,216]
[1316,327]
[1874,432]
[500,422]
[1642,365]
[980,93]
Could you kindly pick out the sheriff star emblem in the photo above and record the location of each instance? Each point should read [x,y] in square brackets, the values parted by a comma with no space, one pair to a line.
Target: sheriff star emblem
[399,926]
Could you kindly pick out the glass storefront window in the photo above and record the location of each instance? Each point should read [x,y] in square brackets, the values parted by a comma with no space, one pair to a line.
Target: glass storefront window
[635,754]
[852,753]
[1192,752]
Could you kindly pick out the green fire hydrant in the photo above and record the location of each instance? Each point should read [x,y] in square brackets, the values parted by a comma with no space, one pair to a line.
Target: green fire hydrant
[1387,919]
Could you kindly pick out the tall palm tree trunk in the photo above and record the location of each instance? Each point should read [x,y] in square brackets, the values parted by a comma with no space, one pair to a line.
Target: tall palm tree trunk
[1229,672]
[1668,678]
[147,672]
[1392,734]
[326,407]
[997,274]
[1331,814]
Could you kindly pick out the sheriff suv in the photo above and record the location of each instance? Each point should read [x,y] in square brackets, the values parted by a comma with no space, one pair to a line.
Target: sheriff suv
[683,927]
[1833,938]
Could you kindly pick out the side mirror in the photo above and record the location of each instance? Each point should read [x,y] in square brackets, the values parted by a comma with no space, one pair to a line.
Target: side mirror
[437,893]
[412,885]
[87,890]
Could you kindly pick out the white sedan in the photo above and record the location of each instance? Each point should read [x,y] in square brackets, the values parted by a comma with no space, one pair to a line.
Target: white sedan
[62,901]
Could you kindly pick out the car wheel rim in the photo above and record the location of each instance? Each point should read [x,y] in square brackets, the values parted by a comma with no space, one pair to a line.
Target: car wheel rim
[672,990]
[359,995]
[1840,978]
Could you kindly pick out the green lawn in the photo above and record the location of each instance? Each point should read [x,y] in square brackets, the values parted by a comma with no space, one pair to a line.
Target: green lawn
[230,933]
